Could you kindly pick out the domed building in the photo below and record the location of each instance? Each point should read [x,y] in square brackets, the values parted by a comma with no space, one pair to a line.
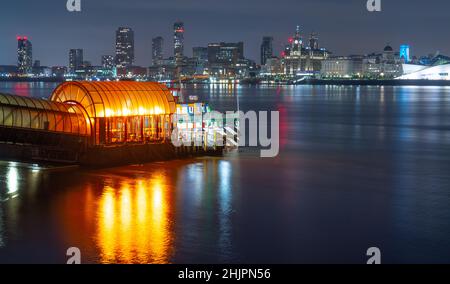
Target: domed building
[386,65]
[388,54]
[388,48]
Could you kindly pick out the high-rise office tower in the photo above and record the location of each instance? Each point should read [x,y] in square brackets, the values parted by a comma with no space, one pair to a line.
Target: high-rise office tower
[75,60]
[24,55]
[157,50]
[124,47]
[178,41]
[266,49]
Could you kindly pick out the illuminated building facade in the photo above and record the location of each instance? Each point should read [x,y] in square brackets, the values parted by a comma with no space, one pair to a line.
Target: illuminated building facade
[157,50]
[272,67]
[386,65]
[121,112]
[178,41]
[225,58]
[24,55]
[225,52]
[342,67]
[405,53]
[421,72]
[124,47]
[108,62]
[99,123]
[75,60]
[300,59]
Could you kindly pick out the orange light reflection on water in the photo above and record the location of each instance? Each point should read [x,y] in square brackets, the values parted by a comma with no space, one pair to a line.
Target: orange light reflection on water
[134,223]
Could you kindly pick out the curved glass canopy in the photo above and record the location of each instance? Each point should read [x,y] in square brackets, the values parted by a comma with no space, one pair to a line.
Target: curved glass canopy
[39,114]
[117,99]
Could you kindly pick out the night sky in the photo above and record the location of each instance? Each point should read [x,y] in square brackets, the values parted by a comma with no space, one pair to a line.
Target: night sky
[344,26]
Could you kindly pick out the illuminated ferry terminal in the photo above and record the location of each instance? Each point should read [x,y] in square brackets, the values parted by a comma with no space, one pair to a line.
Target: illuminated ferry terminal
[99,123]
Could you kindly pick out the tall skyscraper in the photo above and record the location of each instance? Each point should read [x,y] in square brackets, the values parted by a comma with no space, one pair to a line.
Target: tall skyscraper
[314,41]
[75,60]
[178,41]
[24,55]
[157,50]
[124,47]
[108,62]
[266,49]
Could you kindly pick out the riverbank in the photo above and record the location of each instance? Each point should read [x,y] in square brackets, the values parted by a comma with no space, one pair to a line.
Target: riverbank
[337,82]
[375,82]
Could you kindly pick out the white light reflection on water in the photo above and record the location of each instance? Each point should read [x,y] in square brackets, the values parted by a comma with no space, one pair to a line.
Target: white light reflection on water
[12,178]
[225,205]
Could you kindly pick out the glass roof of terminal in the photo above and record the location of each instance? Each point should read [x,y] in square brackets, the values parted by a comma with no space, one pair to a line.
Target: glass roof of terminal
[39,114]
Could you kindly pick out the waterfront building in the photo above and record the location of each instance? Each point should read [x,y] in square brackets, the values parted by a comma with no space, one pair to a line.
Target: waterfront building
[163,72]
[106,123]
[24,55]
[124,47]
[342,67]
[8,70]
[59,71]
[421,72]
[135,72]
[266,49]
[201,54]
[300,60]
[272,67]
[178,41]
[76,60]
[108,62]
[434,68]
[225,58]
[121,112]
[41,71]
[372,66]
[225,53]
[244,68]
[157,50]
[386,65]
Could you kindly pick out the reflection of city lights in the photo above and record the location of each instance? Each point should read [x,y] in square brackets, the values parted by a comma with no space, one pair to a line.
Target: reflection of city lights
[225,186]
[157,198]
[134,223]
[12,178]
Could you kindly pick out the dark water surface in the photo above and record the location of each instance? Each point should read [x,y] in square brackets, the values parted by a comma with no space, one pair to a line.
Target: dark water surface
[358,167]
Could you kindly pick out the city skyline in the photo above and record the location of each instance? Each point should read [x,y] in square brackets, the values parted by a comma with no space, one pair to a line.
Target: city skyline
[339,31]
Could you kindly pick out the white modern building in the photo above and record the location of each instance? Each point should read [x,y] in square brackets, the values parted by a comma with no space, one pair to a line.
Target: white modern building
[421,72]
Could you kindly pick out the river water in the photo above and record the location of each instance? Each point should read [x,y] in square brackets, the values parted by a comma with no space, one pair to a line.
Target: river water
[358,167]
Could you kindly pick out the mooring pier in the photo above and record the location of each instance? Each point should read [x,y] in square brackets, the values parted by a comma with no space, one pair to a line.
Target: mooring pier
[101,124]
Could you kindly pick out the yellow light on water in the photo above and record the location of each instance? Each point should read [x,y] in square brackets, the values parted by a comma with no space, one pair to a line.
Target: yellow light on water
[133,222]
